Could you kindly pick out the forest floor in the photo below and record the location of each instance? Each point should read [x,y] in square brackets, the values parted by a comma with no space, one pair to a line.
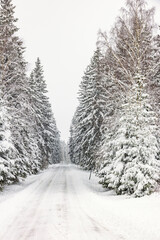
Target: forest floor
[61,203]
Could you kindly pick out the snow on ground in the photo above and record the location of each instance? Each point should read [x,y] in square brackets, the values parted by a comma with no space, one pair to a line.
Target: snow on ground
[62,204]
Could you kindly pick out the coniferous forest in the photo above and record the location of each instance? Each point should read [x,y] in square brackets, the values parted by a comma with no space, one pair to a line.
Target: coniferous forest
[54,190]
[115,129]
[29,138]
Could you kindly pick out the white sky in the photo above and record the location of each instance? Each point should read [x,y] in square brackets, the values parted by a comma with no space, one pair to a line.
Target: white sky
[63,34]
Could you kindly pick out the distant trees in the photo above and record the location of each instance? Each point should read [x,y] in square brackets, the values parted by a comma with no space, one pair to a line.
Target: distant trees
[65,152]
[127,152]
[27,146]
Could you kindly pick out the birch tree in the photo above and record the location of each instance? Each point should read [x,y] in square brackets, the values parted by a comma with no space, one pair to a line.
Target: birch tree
[131,54]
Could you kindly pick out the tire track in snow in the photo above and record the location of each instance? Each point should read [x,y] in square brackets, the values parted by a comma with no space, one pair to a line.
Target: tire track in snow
[14,220]
[38,209]
[27,216]
[89,226]
[56,206]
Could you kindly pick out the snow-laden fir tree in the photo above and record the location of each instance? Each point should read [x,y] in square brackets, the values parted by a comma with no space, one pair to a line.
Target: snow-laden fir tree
[74,139]
[155,84]
[104,154]
[89,116]
[134,168]
[46,132]
[130,165]
[65,152]
[8,153]
[15,89]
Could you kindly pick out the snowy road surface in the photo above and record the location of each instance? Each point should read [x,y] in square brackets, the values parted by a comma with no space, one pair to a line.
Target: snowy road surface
[62,204]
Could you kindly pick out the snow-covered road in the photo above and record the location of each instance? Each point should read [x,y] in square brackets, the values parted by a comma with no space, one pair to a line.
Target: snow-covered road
[62,204]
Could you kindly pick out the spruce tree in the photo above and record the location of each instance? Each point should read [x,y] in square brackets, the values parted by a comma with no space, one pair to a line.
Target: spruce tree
[155,86]
[90,114]
[132,166]
[74,142]
[46,132]
[8,154]
[15,88]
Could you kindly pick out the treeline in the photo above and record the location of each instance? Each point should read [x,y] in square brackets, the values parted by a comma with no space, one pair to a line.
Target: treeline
[115,129]
[29,138]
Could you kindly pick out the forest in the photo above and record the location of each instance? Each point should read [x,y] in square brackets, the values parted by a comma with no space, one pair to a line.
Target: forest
[104,184]
[29,138]
[115,129]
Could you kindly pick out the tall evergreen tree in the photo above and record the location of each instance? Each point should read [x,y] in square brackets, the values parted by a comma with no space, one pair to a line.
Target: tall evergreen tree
[74,140]
[155,85]
[29,132]
[90,113]
[8,154]
[15,87]
[46,132]
[132,167]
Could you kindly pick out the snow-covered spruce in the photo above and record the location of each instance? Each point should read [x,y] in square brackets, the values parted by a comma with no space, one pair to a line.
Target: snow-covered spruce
[128,158]
[155,85]
[133,168]
[15,90]
[8,153]
[23,153]
[45,129]
[90,114]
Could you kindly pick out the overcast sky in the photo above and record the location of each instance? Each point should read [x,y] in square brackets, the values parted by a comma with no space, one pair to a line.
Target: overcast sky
[63,34]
